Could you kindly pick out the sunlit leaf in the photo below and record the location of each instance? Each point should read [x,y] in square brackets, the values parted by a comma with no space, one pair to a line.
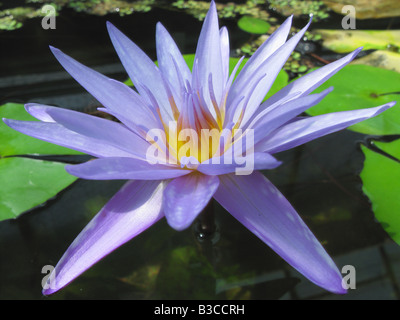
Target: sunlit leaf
[381,183]
[359,87]
[343,41]
[253,25]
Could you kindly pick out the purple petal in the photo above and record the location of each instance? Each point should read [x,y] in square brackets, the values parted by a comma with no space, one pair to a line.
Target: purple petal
[185,197]
[273,118]
[273,43]
[141,70]
[260,207]
[124,168]
[114,95]
[110,132]
[208,56]
[271,67]
[132,210]
[57,134]
[225,52]
[39,111]
[307,83]
[304,130]
[170,60]
[241,165]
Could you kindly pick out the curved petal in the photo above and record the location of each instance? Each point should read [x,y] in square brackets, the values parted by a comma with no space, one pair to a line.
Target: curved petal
[112,94]
[110,132]
[39,111]
[57,134]
[208,57]
[273,43]
[240,165]
[301,131]
[270,67]
[141,70]
[132,210]
[170,60]
[273,118]
[124,168]
[225,52]
[185,197]
[309,82]
[260,207]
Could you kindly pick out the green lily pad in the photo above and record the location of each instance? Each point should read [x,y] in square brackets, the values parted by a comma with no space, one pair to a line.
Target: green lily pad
[359,87]
[381,183]
[281,80]
[26,182]
[14,143]
[253,25]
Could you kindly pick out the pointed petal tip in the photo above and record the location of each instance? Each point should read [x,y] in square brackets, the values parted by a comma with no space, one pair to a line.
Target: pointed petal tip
[54,50]
[10,123]
[48,292]
[58,53]
[213,8]
[69,168]
[111,28]
[178,226]
[337,288]
[30,106]
[159,25]
[383,108]
[5,120]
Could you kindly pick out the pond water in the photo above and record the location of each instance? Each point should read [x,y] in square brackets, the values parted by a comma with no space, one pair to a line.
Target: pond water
[320,179]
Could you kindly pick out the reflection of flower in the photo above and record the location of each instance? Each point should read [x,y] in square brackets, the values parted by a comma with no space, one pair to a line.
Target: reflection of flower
[171,98]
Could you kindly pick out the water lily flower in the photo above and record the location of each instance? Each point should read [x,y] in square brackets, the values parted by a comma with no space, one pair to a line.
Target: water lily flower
[163,180]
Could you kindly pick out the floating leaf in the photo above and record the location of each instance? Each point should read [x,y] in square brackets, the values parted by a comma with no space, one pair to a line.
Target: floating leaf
[343,41]
[359,87]
[26,182]
[381,183]
[253,25]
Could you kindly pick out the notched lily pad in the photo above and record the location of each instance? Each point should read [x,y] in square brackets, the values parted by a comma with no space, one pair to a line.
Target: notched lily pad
[359,87]
[381,183]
